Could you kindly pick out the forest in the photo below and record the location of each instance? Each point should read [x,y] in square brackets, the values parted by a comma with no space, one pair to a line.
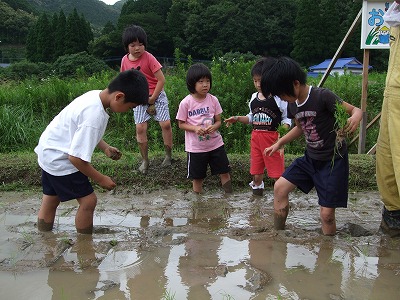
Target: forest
[307,30]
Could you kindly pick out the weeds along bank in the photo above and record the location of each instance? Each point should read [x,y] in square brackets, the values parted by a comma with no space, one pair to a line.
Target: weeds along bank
[20,171]
[26,107]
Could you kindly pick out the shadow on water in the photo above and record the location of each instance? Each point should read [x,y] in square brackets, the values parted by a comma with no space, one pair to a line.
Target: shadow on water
[175,245]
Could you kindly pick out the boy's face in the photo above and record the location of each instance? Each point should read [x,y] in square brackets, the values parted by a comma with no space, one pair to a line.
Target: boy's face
[119,105]
[257,82]
[136,49]
[296,92]
[287,98]
[202,86]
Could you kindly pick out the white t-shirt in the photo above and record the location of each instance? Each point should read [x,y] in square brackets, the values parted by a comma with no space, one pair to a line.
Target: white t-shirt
[75,131]
[200,113]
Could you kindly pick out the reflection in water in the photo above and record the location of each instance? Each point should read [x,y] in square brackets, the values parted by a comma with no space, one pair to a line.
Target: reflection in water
[72,276]
[159,255]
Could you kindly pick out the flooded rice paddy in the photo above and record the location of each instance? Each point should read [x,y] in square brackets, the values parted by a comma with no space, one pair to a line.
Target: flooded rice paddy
[173,245]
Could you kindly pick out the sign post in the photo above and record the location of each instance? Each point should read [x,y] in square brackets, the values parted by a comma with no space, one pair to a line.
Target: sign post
[375,34]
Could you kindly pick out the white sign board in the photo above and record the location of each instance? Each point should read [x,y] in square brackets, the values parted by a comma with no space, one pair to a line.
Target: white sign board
[375,32]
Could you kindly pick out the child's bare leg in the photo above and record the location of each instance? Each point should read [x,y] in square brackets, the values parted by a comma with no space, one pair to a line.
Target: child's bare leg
[327,215]
[226,182]
[47,212]
[282,188]
[167,138]
[258,179]
[84,215]
[197,185]
[141,137]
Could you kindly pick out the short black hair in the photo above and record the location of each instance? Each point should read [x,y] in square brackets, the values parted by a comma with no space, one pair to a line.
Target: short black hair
[132,34]
[278,77]
[133,84]
[261,65]
[195,73]
[257,68]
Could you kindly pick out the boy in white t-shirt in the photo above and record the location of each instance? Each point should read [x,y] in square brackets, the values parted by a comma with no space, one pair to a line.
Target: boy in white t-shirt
[66,146]
[199,114]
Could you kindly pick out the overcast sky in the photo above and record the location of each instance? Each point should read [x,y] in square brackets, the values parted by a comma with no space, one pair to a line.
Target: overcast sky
[109,1]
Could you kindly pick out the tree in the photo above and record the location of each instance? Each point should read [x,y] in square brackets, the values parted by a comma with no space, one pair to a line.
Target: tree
[14,24]
[78,33]
[108,28]
[71,35]
[44,39]
[307,37]
[60,30]
[152,16]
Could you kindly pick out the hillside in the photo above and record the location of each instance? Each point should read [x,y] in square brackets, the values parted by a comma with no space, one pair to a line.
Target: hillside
[95,11]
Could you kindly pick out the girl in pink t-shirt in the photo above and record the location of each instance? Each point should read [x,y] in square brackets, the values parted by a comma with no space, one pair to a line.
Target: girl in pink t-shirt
[199,114]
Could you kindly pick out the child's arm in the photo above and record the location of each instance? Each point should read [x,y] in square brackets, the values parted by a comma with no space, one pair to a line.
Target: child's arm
[109,151]
[293,134]
[187,127]
[214,127]
[355,118]
[87,169]
[234,119]
[159,86]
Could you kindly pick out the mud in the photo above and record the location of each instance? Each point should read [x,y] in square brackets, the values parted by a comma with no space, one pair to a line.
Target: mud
[171,244]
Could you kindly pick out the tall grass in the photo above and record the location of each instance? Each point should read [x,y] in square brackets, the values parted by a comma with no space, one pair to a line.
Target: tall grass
[28,106]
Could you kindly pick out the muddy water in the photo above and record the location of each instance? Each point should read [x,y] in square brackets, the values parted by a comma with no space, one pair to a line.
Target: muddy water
[173,245]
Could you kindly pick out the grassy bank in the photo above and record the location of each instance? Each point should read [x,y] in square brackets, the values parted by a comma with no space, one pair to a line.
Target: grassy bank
[20,171]
[27,107]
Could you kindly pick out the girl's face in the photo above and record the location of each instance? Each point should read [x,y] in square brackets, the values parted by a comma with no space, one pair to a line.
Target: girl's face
[136,49]
[202,86]
[257,83]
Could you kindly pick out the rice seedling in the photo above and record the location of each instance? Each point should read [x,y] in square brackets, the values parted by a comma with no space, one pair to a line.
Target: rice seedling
[341,117]
[168,295]
[282,130]
[226,296]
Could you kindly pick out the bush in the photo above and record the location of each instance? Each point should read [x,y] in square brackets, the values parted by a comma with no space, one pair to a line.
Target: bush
[25,69]
[79,64]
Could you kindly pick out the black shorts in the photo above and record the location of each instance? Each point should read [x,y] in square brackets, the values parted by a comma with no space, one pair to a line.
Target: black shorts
[198,163]
[331,181]
[68,187]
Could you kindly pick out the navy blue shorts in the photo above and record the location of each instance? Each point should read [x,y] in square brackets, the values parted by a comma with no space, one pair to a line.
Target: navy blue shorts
[330,182]
[198,163]
[68,187]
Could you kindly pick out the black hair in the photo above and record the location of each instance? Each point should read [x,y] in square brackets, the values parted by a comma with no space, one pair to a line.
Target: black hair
[133,84]
[257,68]
[194,74]
[132,34]
[278,77]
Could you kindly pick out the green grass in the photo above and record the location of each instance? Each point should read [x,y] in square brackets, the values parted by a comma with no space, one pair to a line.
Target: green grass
[27,107]
[20,172]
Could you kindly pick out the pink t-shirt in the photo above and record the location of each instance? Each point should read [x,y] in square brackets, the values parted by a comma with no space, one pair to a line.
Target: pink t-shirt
[195,112]
[147,64]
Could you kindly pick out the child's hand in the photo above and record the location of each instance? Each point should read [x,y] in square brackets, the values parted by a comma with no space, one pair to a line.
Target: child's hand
[271,149]
[354,120]
[210,129]
[107,183]
[151,110]
[113,153]
[200,130]
[230,121]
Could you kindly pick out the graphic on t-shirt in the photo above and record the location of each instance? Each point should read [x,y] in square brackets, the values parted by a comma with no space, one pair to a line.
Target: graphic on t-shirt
[266,114]
[205,123]
[199,111]
[306,120]
[262,119]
